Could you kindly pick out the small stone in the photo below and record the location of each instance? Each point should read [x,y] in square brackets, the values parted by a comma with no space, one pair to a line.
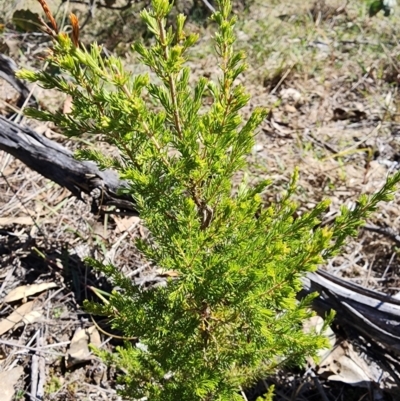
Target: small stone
[258,148]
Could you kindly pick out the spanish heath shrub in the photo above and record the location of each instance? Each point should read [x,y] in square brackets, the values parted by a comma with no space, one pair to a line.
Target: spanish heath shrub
[231,316]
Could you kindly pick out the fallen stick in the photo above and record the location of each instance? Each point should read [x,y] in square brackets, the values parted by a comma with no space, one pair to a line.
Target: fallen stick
[56,163]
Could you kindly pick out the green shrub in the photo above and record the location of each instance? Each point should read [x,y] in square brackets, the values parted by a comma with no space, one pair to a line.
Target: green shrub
[231,316]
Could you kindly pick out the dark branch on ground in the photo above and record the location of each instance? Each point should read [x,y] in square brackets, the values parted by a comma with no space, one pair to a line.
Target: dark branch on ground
[56,163]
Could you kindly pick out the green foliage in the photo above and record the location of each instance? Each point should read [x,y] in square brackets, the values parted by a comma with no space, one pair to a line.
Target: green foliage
[375,7]
[26,21]
[231,316]
[387,6]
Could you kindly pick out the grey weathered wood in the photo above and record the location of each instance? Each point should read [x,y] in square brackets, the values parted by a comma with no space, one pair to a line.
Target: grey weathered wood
[8,68]
[374,315]
[56,163]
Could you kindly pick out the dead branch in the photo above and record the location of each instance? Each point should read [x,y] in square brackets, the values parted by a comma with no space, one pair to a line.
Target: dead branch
[371,314]
[56,163]
[8,69]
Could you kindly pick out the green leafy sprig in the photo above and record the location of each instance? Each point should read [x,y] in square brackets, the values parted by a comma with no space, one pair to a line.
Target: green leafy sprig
[231,315]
